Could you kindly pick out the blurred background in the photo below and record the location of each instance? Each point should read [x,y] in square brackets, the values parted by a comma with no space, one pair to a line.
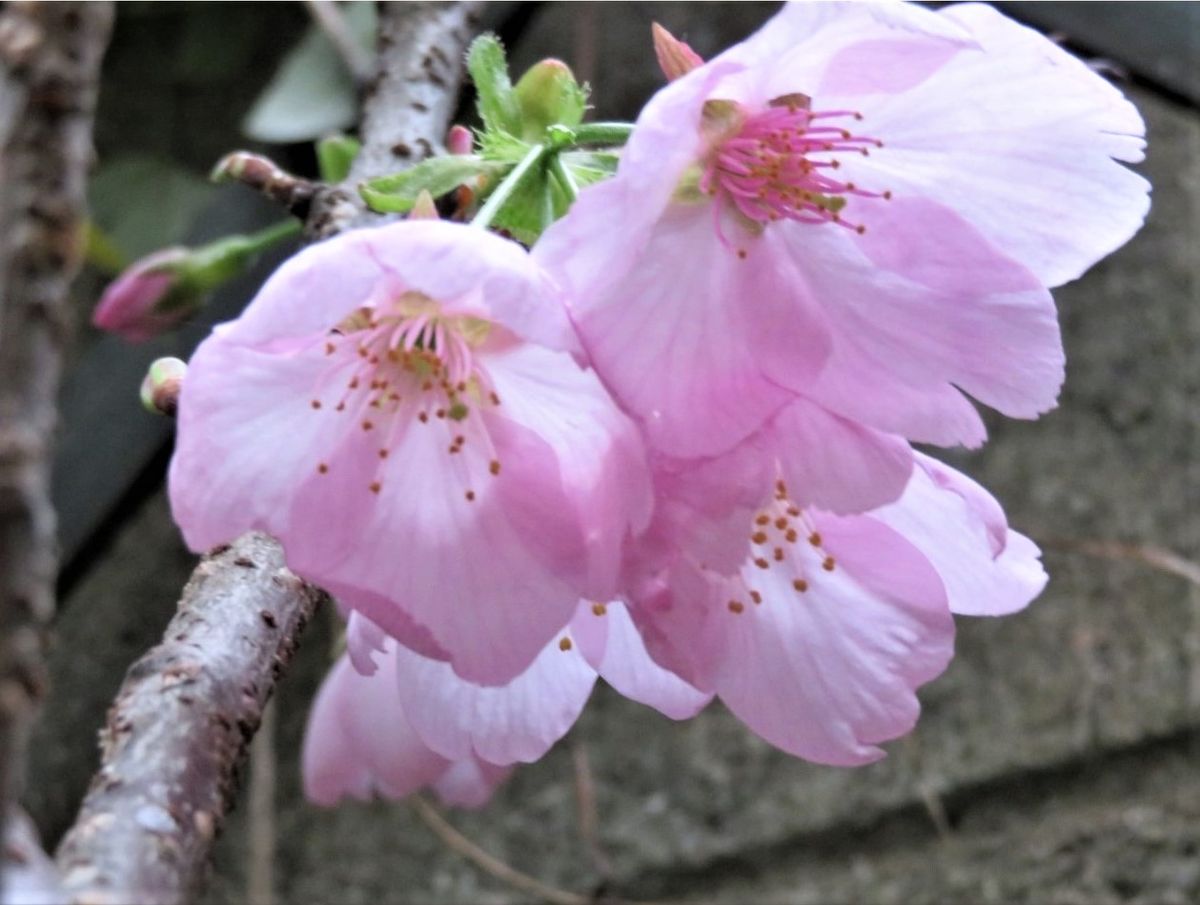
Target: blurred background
[1058,760]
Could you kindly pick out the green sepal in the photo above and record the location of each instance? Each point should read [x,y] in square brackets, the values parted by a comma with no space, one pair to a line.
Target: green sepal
[497,102]
[589,167]
[396,194]
[335,155]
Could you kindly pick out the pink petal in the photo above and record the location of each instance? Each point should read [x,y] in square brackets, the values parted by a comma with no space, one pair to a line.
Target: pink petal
[470,783]
[837,464]
[675,343]
[364,640]
[1038,179]
[358,741]
[598,448]
[955,531]
[630,670]
[923,299]
[862,47]
[517,722]
[829,673]
[492,578]
[226,477]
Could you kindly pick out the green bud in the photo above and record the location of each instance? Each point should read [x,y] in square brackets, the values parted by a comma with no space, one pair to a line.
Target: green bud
[162,385]
[548,95]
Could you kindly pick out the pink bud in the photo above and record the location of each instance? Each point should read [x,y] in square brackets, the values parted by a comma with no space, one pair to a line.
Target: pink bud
[144,301]
[459,140]
[675,58]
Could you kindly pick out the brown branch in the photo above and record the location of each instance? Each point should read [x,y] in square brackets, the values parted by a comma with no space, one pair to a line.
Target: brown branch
[407,107]
[49,68]
[180,728]
[1155,557]
[293,193]
[178,733]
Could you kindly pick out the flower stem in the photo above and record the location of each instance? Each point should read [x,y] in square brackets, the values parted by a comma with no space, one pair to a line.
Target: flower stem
[562,173]
[504,191]
[601,133]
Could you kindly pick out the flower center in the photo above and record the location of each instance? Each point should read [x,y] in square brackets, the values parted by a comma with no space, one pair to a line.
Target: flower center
[406,361]
[786,546]
[782,163]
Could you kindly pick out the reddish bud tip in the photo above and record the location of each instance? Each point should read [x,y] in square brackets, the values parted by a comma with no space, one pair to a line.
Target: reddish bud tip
[459,140]
[675,58]
[139,304]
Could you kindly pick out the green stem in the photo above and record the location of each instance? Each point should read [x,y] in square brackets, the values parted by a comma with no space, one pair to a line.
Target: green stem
[563,174]
[504,191]
[273,235]
[212,264]
[601,133]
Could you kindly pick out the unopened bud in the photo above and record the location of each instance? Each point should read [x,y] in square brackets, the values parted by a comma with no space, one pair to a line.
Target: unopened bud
[147,299]
[548,95]
[424,208]
[459,140]
[163,383]
[675,58]
[159,291]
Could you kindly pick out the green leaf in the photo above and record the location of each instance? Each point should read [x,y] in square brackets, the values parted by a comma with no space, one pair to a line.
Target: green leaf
[397,193]
[500,146]
[335,155]
[312,93]
[498,107]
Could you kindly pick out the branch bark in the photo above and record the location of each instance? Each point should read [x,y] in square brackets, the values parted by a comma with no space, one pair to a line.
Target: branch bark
[180,728]
[49,69]
[177,735]
[407,107]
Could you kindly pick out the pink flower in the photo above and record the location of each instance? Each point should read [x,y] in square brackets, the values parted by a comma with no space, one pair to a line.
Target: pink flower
[816,629]
[399,406]
[149,298]
[861,205]
[410,721]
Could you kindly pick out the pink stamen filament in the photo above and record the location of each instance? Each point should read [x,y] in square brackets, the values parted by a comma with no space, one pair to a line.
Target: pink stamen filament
[768,173]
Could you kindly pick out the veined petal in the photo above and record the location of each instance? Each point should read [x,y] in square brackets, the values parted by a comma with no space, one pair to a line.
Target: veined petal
[227,476]
[923,298]
[837,464]
[628,668]
[955,529]
[489,563]
[1038,179]
[358,741]
[677,347]
[829,672]
[517,722]
[598,448]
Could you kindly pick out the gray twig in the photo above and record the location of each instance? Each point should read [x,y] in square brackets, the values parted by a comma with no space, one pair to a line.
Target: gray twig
[49,67]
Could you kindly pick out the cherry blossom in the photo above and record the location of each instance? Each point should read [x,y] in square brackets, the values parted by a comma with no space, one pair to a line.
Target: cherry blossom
[388,721]
[860,206]
[816,629]
[401,409]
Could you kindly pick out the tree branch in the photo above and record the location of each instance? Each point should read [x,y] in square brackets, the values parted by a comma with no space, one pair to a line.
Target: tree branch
[178,732]
[180,728]
[49,68]
[407,107]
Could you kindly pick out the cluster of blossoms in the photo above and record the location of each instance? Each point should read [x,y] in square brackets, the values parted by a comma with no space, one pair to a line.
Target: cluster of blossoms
[669,445]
